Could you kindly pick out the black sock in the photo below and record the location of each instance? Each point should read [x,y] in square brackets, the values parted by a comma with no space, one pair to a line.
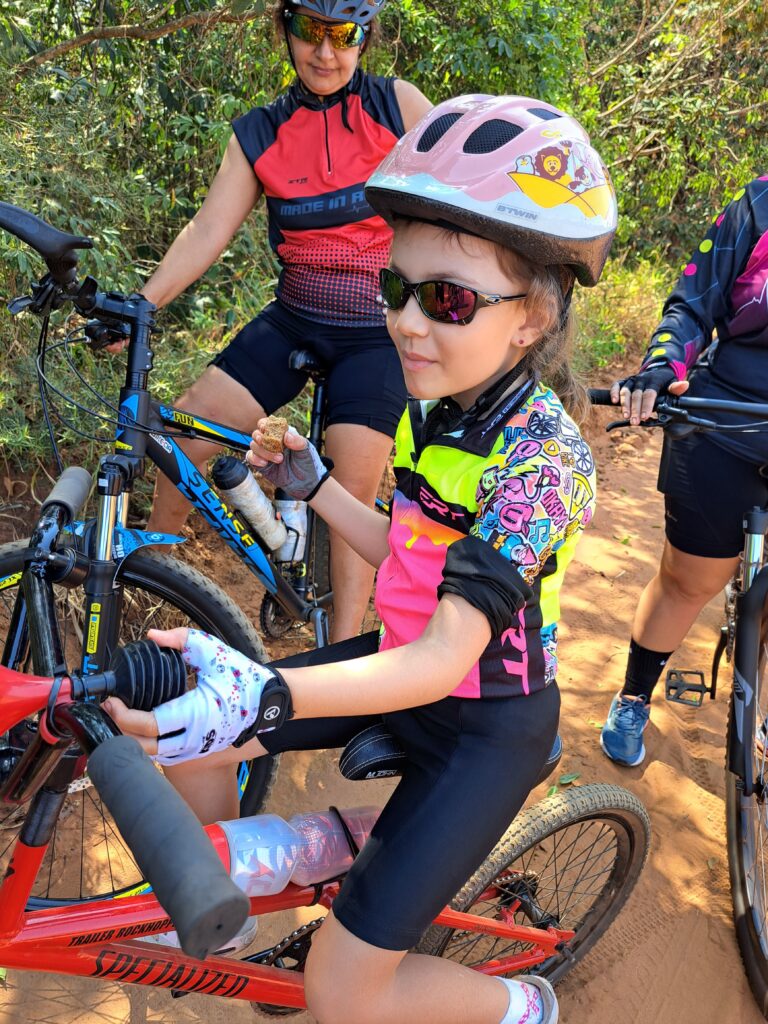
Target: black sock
[643,670]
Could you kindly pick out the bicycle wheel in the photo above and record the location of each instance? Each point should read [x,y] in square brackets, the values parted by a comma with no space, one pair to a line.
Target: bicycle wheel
[746,826]
[571,860]
[87,858]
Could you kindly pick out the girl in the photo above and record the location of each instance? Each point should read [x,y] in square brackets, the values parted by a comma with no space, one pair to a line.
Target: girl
[494,484]
[309,154]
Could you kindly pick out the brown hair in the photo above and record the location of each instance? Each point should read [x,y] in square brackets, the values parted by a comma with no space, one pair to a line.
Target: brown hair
[549,290]
[548,301]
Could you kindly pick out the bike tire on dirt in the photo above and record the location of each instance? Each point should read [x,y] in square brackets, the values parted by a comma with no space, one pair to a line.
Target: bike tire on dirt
[574,831]
[746,829]
[160,591]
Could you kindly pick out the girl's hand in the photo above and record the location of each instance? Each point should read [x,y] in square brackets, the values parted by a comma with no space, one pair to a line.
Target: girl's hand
[298,470]
[259,456]
[142,725]
[225,702]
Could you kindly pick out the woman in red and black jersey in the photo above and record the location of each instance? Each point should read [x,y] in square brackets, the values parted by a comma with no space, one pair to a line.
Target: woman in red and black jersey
[309,153]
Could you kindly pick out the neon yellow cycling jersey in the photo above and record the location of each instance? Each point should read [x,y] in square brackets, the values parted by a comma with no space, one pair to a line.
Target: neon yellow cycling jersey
[522,479]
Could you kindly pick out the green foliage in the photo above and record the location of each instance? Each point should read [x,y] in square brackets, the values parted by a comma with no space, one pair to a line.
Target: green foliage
[527,47]
[116,115]
[617,317]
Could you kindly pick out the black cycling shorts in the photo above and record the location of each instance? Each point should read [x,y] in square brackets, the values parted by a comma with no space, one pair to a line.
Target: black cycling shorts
[365,382]
[471,764]
[706,491]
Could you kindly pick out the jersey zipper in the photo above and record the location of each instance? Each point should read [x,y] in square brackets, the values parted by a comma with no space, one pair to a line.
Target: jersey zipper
[327,143]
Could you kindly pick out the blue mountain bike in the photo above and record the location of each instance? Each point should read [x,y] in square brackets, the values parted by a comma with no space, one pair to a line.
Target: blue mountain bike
[110,583]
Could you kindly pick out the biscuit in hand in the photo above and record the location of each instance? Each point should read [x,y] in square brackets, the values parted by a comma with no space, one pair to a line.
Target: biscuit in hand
[273,432]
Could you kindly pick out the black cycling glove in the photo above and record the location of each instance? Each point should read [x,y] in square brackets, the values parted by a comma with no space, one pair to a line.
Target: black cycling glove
[654,377]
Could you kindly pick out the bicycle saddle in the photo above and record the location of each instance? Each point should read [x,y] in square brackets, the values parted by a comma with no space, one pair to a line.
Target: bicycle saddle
[307,362]
[375,754]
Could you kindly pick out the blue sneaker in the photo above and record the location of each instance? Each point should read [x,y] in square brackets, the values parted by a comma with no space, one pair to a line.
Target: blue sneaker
[622,735]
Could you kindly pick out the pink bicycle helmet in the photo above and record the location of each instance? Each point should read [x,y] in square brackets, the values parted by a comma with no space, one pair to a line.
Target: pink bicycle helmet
[511,169]
[358,11]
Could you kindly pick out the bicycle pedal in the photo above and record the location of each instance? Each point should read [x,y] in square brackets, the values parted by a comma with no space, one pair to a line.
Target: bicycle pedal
[680,681]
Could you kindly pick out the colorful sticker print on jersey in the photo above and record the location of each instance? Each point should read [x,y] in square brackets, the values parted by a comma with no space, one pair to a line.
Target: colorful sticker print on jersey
[528,494]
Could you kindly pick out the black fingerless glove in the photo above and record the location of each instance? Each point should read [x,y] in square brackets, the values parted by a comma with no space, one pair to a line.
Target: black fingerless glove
[654,377]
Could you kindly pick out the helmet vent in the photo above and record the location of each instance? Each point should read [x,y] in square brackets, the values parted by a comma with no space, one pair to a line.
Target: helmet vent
[493,134]
[435,131]
[544,114]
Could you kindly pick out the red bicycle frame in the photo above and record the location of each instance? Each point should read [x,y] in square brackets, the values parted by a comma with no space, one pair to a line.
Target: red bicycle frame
[102,939]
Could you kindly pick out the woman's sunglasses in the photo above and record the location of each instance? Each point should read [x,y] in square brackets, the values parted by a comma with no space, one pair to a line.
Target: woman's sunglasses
[442,301]
[343,34]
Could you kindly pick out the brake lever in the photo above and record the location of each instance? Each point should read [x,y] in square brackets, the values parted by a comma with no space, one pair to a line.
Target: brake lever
[100,335]
[645,424]
[45,298]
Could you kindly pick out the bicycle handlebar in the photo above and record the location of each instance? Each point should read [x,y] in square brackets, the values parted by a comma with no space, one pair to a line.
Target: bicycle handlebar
[678,409]
[70,490]
[599,396]
[171,848]
[58,248]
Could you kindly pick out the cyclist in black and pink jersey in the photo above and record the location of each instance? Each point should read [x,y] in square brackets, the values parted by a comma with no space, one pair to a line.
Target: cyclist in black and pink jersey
[494,486]
[309,153]
[708,480]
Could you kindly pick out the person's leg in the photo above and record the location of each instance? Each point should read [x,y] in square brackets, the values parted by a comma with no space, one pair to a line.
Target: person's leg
[347,979]
[360,457]
[706,490]
[366,398]
[217,396]
[249,379]
[668,607]
[432,834]
[672,601]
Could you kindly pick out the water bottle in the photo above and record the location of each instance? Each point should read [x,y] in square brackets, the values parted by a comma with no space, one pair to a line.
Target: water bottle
[267,852]
[325,851]
[294,516]
[237,486]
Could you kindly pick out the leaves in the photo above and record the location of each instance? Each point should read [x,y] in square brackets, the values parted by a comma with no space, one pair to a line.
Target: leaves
[568,778]
[124,134]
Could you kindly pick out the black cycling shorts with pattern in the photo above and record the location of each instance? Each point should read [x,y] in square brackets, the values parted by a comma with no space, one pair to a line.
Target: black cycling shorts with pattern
[365,381]
[471,764]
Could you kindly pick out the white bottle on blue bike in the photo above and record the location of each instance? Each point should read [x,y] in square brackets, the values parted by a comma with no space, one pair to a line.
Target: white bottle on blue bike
[237,487]
[293,513]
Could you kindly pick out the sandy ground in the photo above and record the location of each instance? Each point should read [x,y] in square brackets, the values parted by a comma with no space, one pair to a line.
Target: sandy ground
[672,955]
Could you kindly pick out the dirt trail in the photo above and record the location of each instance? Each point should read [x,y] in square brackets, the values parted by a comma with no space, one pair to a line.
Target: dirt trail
[672,956]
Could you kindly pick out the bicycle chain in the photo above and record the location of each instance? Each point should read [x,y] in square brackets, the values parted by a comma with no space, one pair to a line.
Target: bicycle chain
[297,944]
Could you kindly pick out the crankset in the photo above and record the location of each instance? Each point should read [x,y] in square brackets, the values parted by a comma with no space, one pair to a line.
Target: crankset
[289,954]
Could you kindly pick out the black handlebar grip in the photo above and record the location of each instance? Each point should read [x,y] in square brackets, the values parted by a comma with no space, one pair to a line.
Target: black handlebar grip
[70,490]
[171,848]
[600,396]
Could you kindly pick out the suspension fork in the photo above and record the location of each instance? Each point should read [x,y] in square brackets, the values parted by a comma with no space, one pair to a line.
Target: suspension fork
[750,606]
[103,595]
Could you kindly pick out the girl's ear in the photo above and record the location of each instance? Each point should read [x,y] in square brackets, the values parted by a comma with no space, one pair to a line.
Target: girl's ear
[531,329]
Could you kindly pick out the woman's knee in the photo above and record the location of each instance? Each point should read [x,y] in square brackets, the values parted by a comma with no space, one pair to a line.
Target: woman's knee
[691,579]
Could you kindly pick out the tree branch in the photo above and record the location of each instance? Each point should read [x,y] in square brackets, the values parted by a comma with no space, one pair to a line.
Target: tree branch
[641,35]
[204,19]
